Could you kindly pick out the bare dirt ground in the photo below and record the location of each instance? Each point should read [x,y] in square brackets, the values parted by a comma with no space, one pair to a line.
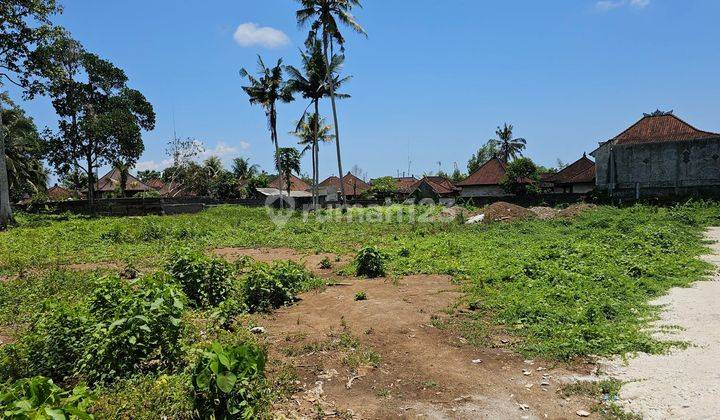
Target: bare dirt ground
[386,357]
[311,261]
[684,384]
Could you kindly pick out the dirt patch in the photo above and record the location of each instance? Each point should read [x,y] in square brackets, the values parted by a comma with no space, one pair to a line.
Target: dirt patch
[385,357]
[544,213]
[502,211]
[684,383]
[311,261]
[576,209]
[6,337]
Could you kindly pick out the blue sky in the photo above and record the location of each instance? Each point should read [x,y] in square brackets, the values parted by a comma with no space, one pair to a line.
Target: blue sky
[431,82]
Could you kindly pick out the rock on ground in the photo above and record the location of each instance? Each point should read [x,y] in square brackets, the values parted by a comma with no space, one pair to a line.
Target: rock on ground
[684,384]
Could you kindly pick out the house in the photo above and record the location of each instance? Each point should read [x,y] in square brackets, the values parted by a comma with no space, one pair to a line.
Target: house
[58,193]
[660,155]
[577,178]
[436,188]
[485,181]
[354,186]
[109,185]
[404,185]
[296,184]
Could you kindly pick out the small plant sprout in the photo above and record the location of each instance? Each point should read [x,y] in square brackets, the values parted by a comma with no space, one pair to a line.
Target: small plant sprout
[361,296]
[325,264]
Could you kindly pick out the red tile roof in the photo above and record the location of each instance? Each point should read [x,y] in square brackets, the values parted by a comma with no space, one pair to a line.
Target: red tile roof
[580,171]
[490,173]
[404,185]
[155,183]
[111,182]
[59,193]
[296,184]
[354,186]
[659,127]
[438,184]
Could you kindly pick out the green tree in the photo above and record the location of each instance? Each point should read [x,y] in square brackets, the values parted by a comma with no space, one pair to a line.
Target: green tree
[521,177]
[288,158]
[324,18]
[213,167]
[311,131]
[312,83]
[243,169]
[457,176]
[100,119]
[383,188]
[148,175]
[484,153]
[261,180]
[24,152]
[267,90]
[74,180]
[24,25]
[508,146]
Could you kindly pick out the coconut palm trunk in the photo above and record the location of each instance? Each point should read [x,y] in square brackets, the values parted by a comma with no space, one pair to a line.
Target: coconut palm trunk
[335,122]
[316,156]
[6,216]
[273,134]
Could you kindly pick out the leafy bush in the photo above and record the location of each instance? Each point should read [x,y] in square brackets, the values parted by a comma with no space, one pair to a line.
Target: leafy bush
[205,281]
[360,296]
[325,264]
[138,329]
[370,262]
[39,398]
[228,382]
[267,287]
[51,347]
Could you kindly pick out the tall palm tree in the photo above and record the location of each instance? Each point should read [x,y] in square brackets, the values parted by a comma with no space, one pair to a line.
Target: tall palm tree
[508,146]
[312,83]
[289,159]
[243,169]
[311,131]
[213,167]
[323,17]
[23,153]
[267,90]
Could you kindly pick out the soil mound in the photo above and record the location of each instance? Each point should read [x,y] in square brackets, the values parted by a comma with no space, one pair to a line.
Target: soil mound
[544,213]
[576,209]
[502,211]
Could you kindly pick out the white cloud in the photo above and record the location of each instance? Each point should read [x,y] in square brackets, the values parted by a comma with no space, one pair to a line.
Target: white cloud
[221,150]
[244,145]
[251,34]
[639,3]
[607,5]
[151,165]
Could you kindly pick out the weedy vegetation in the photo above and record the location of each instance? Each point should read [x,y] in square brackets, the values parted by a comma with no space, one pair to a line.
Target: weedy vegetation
[562,288]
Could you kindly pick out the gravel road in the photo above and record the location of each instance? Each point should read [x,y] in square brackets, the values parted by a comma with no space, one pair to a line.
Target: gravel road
[684,384]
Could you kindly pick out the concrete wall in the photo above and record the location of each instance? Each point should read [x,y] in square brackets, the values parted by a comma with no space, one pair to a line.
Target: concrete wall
[668,168]
[483,191]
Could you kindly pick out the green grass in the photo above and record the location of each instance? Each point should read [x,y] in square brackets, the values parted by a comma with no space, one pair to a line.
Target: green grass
[562,288]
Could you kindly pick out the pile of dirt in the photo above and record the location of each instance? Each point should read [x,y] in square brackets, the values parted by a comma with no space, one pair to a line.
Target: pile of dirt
[544,213]
[449,214]
[576,209]
[502,211]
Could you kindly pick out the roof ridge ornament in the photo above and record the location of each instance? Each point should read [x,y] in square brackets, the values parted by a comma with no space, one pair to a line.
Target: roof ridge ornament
[658,113]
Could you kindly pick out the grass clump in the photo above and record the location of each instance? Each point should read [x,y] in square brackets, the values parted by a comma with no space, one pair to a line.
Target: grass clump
[361,296]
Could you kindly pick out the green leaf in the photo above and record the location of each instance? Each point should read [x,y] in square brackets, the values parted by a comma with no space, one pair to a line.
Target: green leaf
[226,381]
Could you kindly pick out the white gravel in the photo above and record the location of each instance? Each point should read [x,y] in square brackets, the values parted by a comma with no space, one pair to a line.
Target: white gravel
[684,384]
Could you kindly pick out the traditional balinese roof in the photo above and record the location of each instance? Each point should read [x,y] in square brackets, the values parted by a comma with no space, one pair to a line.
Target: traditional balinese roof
[405,184]
[490,173]
[156,184]
[59,193]
[354,186]
[660,127]
[580,171]
[440,185]
[296,184]
[111,182]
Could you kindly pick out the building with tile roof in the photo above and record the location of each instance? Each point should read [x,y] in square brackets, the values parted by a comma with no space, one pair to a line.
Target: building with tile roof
[354,186]
[434,187]
[109,184]
[660,155]
[578,177]
[485,181]
[296,184]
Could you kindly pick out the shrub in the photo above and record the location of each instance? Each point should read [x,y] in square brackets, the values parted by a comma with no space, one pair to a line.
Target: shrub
[205,281]
[360,296]
[229,382]
[53,345]
[268,287]
[370,262]
[150,231]
[138,329]
[40,398]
